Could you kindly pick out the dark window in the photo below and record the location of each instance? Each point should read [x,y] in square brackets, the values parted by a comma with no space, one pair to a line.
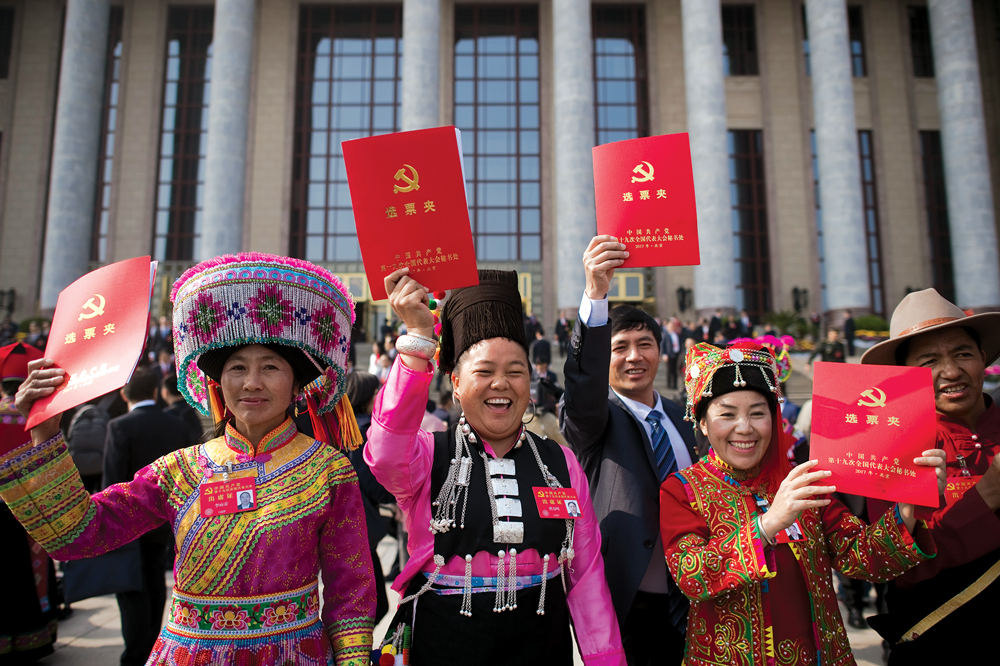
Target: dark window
[109,123]
[739,41]
[920,42]
[936,200]
[869,200]
[805,41]
[183,133]
[497,109]
[750,243]
[621,94]
[820,252]
[348,86]
[6,39]
[856,35]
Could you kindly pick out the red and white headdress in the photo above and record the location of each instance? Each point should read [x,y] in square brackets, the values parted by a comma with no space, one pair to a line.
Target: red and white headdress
[753,366]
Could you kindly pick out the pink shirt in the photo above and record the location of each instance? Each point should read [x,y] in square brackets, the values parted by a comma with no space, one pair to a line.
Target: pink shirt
[401,456]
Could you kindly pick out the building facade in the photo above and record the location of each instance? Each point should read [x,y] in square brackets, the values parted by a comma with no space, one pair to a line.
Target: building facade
[845,153]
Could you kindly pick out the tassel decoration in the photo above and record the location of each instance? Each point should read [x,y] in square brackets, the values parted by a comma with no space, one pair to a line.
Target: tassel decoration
[216,403]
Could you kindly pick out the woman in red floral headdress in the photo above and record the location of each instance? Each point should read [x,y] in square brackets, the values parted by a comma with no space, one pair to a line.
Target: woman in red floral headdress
[752,542]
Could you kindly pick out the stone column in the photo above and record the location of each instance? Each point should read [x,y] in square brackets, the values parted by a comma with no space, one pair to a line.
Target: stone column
[228,122]
[837,156]
[73,178]
[705,93]
[966,162]
[421,64]
[573,95]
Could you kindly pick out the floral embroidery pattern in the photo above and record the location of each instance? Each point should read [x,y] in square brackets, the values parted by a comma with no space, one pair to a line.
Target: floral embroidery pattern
[271,310]
[186,615]
[236,311]
[206,317]
[280,613]
[325,327]
[229,617]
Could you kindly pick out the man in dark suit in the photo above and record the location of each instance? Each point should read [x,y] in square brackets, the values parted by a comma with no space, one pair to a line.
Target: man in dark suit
[178,407]
[670,351]
[135,440]
[562,332]
[715,325]
[628,440]
[849,332]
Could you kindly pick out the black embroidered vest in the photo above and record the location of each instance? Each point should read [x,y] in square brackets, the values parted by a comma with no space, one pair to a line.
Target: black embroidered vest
[544,535]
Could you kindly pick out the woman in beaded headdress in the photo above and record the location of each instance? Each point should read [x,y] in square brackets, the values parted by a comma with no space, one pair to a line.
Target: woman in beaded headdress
[491,578]
[254,334]
[751,542]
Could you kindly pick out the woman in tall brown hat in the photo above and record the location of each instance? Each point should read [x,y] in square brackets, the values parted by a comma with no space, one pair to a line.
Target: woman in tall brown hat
[495,575]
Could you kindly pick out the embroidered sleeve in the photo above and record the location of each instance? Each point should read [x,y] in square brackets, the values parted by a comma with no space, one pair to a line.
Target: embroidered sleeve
[348,578]
[703,564]
[42,487]
[877,552]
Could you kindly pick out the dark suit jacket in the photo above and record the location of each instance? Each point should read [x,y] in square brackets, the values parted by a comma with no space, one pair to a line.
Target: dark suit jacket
[139,438]
[186,413]
[616,455]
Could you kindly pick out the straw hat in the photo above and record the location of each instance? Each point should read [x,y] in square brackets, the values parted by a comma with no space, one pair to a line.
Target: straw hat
[925,311]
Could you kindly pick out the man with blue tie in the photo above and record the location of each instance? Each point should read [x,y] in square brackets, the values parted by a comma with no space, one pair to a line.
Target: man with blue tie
[628,440]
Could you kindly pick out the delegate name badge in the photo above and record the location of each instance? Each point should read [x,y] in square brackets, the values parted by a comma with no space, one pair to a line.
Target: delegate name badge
[233,496]
[557,503]
[957,486]
[791,534]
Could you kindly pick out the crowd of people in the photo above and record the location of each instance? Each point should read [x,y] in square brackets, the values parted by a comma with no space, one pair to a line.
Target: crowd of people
[686,527]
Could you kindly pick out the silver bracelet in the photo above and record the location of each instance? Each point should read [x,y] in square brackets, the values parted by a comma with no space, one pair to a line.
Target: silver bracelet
[423,337]
[770,541]
[413,346]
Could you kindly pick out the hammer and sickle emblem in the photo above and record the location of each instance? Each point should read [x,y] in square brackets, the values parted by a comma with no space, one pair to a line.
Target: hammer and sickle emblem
[875,401]
[411,184]
[646,174]
[95,310]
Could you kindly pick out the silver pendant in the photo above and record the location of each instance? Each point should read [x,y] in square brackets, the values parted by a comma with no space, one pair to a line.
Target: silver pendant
[501,467]
[505,487]
[512,532]
[464,472]
[508,507]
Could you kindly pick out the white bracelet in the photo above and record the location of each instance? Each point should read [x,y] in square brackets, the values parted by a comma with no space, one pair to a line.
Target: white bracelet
[414,346]
[423,337]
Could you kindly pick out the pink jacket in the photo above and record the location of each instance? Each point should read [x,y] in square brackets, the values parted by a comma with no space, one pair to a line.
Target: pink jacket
[401,456]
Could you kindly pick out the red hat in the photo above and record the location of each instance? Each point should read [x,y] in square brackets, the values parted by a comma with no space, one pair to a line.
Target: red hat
[14,361]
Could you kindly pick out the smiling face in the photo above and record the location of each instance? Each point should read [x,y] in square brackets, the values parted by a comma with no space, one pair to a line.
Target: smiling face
[493,384]
[738,426]
[957,368]
[258,385]
[635,357]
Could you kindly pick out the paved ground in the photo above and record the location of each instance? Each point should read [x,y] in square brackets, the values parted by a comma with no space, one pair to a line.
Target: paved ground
[91,636]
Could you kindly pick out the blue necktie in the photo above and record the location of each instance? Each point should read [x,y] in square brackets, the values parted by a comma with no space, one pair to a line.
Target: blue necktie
[663,452]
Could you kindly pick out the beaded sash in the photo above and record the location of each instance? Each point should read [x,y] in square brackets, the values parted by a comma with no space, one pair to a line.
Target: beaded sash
[244,617]
[456,584]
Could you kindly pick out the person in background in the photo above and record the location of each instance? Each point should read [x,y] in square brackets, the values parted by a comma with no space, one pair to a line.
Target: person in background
[85,439]
[540,350]
[715,325]
[945,610]
[545,394]
[746,325]
[384,366]
[563,330]
[361,391]
[628,440]
[441,409]
[390,347]
[8,331]
[178,407]
[28,612]
[830,350]
[849,332]
[670,352]
[35,337]
[430,422]
[377,351]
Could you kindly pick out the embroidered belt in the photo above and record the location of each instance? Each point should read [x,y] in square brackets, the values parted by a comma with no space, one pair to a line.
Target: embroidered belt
[455,584]
[244,617]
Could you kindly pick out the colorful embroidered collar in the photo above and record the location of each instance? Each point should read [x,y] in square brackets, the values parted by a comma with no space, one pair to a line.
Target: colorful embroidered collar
[745,480]
[271,442]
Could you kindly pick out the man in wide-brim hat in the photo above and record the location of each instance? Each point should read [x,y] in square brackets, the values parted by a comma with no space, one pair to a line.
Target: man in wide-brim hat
[947,606]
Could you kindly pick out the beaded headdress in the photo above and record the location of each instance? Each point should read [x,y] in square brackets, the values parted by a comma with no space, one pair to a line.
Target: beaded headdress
[749,361]
[780,347]
[256,298]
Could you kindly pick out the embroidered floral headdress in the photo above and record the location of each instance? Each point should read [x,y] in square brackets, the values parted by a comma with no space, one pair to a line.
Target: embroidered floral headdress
[256,298]
[749,360]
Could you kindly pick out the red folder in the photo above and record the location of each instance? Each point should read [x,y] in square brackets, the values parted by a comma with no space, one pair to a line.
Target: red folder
[868,424]
[98,332]
[408,195]
[645,198]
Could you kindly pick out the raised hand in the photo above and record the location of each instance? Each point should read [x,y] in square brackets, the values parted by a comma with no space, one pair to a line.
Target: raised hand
[410,301]
[930,458]
[795,494]
[42,381]
[603,256]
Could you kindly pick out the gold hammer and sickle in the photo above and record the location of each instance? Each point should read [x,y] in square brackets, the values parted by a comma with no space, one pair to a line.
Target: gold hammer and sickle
[95,310]
[870,394]
[411,185]
[647,173]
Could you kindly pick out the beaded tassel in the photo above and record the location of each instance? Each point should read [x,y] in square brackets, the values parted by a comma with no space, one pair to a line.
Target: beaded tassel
[498,605]
[545,578]
[512,582]
[466,609]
